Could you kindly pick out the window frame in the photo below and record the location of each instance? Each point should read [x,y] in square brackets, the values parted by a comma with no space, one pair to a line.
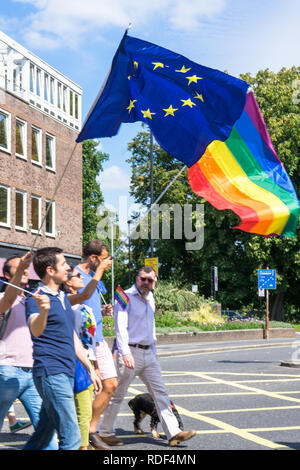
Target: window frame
[53,147]
[52,233]
[24,124]
[8,206]
[39,199]
[8,131]
[39,145]
[24,199]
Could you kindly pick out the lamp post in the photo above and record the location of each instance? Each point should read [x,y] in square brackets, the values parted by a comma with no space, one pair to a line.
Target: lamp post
[129,254]
[151,190]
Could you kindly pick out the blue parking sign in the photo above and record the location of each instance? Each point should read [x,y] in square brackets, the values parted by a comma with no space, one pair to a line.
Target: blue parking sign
[267,278]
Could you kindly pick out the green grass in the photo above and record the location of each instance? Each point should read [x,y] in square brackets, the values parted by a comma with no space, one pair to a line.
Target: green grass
[173,324]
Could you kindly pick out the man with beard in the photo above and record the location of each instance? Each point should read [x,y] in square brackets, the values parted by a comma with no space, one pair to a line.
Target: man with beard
[135,334]
[94,252]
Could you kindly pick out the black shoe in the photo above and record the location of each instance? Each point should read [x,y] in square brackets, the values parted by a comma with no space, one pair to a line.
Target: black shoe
[96,442]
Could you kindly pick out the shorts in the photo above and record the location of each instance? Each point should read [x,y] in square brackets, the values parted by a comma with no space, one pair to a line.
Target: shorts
[105,361]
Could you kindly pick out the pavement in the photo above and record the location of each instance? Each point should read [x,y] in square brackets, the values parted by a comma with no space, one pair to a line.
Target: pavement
[178,349]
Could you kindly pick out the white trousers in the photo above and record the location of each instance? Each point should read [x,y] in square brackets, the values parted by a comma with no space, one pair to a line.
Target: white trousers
[147,368]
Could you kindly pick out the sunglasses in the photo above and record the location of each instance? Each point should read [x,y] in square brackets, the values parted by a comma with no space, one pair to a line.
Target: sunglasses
[144,279]
[76,275]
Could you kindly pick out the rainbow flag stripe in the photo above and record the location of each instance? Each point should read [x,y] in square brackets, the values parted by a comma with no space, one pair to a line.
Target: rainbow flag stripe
[244,174]
[121,297]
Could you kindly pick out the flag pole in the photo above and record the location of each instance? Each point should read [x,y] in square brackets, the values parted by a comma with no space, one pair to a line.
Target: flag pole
[154,204]
[54,194]
[16,287]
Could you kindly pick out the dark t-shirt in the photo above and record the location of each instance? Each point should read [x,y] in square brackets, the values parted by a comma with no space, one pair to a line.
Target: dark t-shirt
[53,351]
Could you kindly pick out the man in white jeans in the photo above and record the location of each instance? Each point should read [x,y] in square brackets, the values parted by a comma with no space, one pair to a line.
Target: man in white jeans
[135,334]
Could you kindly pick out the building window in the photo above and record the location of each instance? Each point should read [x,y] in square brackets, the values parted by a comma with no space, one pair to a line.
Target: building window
[36,137]
[38,82]
[31,79]
[64,99]
[59,95]
[51,90]
[46,86]
[35,213]
[71,103]
[20,221]
[20,138]
[4,131]
[4,206]
[50,152]
[76,106]
[50,218]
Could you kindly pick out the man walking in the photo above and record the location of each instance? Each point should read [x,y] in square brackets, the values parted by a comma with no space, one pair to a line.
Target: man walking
[16,361]
[55,345]
[93,253]
[135,334]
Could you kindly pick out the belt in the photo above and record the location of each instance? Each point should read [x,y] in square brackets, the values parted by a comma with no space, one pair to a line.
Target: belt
[141,346]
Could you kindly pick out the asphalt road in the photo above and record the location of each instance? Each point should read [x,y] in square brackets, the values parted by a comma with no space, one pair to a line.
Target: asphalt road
[237,396]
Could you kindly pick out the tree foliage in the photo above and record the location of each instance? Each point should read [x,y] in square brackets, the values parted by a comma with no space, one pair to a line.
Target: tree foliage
[92,165]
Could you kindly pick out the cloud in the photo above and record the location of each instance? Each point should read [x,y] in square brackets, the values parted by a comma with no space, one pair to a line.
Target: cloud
[55,22]
[114,178]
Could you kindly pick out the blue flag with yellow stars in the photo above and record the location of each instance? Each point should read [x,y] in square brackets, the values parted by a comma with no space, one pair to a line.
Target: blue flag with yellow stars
[187,106]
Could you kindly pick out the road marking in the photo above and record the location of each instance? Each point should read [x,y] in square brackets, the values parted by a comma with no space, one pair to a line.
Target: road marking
[246,410]
[231,429]
[245,387]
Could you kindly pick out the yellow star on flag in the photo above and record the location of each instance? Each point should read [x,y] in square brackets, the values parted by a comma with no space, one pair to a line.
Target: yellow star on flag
[131,105]
[193,78]
[188,102]
[199,97]
[147,113]
[157,64]
[136,64]
[170,111]
[183,69]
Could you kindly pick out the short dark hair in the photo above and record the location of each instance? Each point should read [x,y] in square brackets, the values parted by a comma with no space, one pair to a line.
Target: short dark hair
[6,267]
[94,247]
[146,269]
[43,258]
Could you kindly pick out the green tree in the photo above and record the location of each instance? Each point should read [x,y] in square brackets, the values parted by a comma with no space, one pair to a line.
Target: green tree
[92,165]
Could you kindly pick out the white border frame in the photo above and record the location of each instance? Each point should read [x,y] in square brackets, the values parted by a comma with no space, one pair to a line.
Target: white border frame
[8,206]
[24,123]
[8,129]
[53,150]
[50,234]
[24,194]
[39,198]
[39,144]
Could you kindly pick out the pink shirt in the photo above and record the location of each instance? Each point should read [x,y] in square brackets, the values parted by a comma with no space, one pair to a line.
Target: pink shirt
[16,345]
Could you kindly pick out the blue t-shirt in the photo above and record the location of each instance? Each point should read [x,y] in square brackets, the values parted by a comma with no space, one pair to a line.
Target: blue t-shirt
[53,351]
[94,302]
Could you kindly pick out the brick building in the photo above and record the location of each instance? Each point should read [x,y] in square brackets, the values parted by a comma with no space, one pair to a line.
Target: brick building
[40,117]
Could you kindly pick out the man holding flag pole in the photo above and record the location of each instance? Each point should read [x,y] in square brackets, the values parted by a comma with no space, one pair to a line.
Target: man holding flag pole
[16,359]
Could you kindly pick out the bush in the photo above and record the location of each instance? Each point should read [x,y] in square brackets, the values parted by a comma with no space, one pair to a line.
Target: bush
[171,298]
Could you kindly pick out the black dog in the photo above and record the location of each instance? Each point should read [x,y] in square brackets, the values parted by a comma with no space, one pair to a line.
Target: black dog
[143,405]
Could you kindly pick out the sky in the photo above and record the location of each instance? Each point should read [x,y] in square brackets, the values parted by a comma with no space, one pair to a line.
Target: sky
[79,38]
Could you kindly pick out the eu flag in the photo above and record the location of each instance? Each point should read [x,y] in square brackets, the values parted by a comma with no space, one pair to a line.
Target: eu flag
[187,106]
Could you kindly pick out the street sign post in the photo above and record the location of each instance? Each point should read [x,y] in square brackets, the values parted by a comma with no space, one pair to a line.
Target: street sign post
[153,262]
[266,281]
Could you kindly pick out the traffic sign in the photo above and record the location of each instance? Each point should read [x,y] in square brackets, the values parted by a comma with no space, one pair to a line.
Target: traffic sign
[267,278]
[153,262]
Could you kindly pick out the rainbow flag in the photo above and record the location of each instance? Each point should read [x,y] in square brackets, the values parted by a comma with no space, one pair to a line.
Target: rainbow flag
[244,174]
[121,297]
